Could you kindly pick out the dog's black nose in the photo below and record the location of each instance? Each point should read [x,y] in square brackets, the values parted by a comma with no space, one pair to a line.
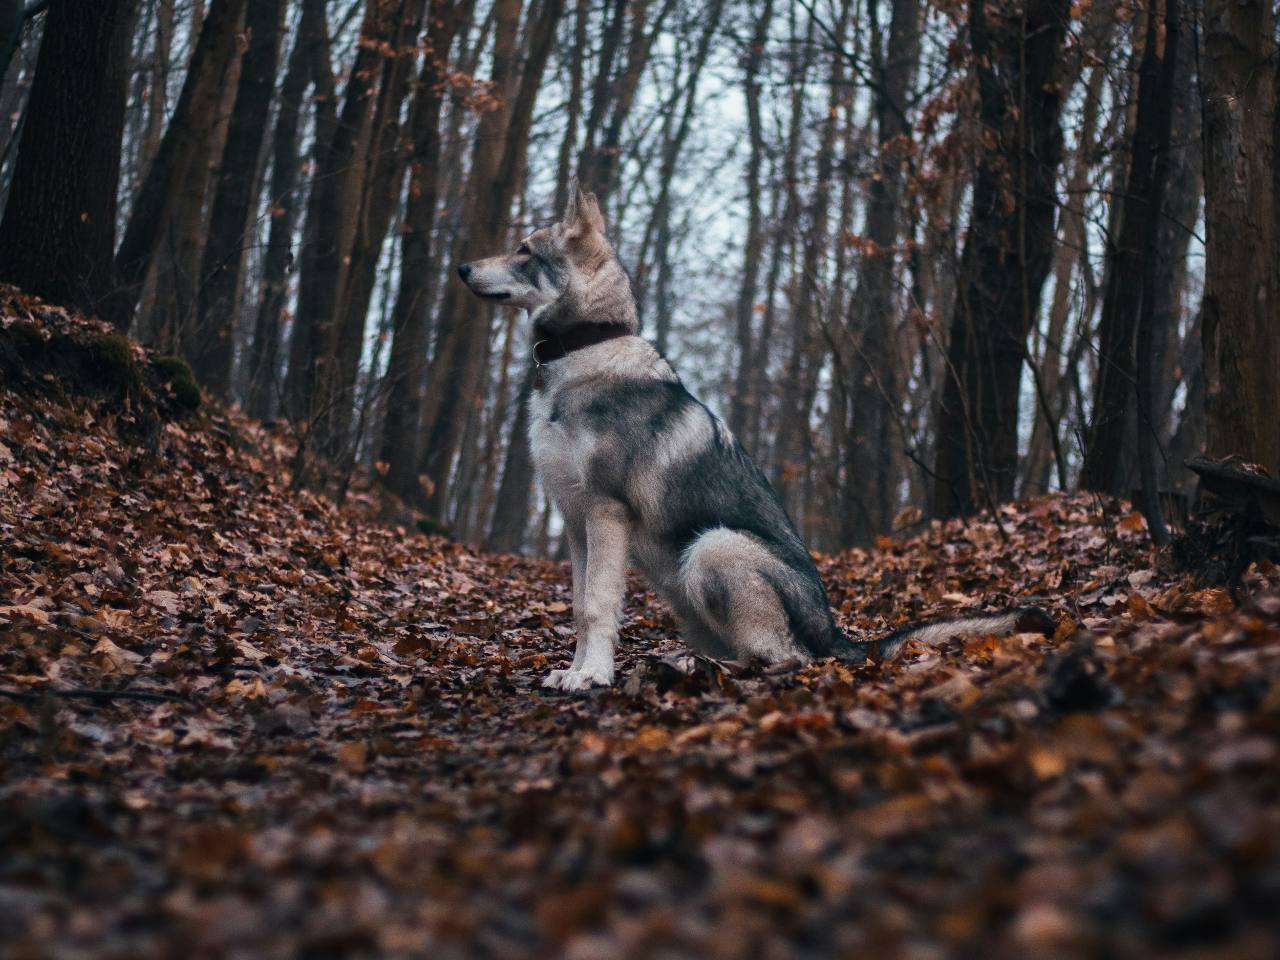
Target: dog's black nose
[464,270]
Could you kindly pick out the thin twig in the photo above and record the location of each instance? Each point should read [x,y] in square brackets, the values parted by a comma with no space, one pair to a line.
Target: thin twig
[93,693]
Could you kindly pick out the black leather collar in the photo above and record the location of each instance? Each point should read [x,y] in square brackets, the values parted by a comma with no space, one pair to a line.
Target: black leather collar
[549,345]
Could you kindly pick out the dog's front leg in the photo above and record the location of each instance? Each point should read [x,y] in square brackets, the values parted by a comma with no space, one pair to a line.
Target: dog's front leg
[576,534]
[598,600]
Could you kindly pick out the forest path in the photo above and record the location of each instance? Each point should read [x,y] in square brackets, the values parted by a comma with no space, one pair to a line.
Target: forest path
[323,736]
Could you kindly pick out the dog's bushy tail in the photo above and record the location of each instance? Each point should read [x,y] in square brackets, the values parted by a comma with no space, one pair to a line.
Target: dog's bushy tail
[1017,620]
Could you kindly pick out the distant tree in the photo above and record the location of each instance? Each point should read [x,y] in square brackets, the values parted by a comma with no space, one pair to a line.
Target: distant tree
[57,236]
[334,208]
[418,271]
[266,342]
[173,166]
[895,58]
[501,142]
[753,247]
[235,192]
[808,349]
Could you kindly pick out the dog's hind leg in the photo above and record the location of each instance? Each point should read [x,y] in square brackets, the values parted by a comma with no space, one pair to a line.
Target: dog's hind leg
[725,578]
[598,593]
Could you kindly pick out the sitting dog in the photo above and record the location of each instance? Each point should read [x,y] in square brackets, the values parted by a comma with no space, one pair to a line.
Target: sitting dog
[642,472]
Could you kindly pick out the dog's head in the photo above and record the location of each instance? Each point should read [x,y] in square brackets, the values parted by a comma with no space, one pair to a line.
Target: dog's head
[567,265]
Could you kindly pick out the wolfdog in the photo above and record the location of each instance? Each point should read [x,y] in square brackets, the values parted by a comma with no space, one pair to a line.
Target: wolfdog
[643,472]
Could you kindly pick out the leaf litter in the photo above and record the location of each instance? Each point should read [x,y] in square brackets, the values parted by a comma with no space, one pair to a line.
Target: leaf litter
[239,721]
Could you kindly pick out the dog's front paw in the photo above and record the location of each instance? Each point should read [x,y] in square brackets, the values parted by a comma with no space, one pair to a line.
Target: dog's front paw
[578,679]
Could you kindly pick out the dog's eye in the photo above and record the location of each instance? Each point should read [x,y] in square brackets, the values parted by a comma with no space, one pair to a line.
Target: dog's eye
[524,249]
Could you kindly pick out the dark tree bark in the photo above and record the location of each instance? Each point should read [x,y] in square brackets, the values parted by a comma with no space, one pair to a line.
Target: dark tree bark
[681,123]
[598,163]
[12,16]
[874,314]
[265,346]
[411,319]
[383,175]
[1131,257]
[753,248]
[332,216]
[58,231]
[1241,335]
[170,170]
[807,350]
[1044,447]
[512,507]
[464,325]
[1007,252]
[235,191]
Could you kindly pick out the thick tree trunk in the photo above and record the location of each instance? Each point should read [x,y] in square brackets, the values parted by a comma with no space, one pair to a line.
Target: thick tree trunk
[1007,252]
[411,319]
[172,168]
[236,190]
[1174,316]
[58,231]
[1241,334]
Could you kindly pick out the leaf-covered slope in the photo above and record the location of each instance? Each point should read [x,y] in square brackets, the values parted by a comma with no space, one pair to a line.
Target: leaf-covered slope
[239,721]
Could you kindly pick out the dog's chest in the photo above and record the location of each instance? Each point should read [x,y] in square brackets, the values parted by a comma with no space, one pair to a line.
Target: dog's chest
[561,450]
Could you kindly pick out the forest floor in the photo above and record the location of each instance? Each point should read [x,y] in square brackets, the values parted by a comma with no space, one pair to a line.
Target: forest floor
[236,720]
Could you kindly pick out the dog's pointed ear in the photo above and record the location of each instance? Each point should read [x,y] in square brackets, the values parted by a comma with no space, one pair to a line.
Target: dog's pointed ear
[572,207]
[582,218]
[589,213]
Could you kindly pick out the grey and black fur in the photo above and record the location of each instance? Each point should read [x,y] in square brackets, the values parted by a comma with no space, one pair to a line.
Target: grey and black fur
[644,473]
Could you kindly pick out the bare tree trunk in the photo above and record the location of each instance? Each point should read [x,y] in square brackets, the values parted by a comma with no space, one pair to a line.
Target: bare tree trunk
[785,229]
[1041,457]
[1131,255]
[332,215]
[874,314]
[582,14]
[235,194]
[59,224]
[598,164]
[1242,290]
[667,170]
[189,129]
[411,319]
[380,190]
[753,248]
[456,367]
[1007,253]
[512,506]
[1175,318]
[807,350]
[264,358]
